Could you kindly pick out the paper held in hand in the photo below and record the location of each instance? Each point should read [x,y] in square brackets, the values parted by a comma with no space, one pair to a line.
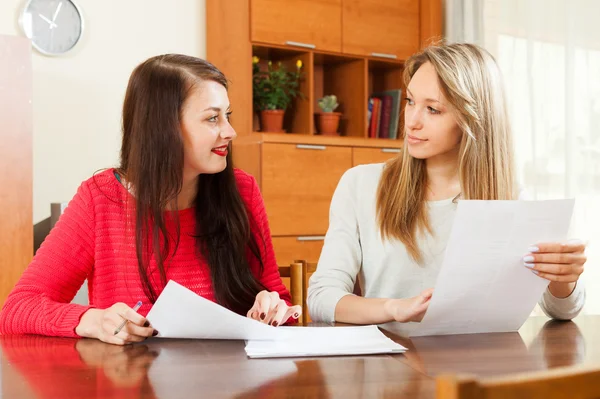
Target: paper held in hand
[483,285]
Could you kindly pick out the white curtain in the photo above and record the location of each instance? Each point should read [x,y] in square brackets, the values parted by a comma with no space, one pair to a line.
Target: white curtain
[549,54]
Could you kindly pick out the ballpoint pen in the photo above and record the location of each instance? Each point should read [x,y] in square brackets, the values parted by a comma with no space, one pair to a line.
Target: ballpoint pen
[120,327]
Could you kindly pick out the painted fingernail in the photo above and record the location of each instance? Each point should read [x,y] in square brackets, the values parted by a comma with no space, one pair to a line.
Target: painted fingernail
[535,272]
[154,333]
[262,316]
[529,265]
[533,249]
[528,258]
[296,315]
[147,324]
[274,324]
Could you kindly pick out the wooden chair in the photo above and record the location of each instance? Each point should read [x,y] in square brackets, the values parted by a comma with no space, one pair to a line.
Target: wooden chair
[563,383]
[308,268]
[293,271]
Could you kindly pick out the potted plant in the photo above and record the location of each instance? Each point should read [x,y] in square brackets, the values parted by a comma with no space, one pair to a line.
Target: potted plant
[329,120]
[273,90]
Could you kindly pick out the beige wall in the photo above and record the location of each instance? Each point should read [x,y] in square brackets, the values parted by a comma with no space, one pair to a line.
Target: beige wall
[77,98]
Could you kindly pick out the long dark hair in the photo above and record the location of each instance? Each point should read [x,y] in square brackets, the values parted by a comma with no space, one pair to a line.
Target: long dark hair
[152,164]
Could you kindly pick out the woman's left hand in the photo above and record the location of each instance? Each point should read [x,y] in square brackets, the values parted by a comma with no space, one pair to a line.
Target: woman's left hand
[268,308]
[561,263]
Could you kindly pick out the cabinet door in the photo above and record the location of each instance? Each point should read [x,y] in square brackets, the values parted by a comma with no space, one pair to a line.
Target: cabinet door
[289,249]
[386,28]
[361,156]
[298,182]
[306,23]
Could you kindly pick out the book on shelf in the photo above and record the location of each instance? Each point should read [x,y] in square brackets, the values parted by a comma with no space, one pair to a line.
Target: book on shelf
[375,118]
[384,114]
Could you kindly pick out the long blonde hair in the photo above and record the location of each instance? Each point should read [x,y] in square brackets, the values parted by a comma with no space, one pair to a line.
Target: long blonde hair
[471,83]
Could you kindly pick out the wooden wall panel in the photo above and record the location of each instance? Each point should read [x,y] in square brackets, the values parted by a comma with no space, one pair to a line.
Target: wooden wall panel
[16,164]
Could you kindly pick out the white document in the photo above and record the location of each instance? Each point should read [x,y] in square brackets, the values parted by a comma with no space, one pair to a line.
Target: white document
[325,341]
[181,313]
[483,285]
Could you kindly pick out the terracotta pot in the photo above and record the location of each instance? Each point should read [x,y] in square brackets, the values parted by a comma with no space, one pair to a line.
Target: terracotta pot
[329,122]
[271,120]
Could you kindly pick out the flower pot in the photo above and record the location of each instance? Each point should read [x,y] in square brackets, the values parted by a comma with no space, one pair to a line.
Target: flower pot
[329,122]
[271,120]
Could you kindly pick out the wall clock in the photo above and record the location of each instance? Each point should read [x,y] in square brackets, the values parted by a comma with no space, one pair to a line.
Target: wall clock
[53,26]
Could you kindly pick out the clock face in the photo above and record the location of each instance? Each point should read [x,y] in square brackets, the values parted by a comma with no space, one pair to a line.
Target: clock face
[54,26]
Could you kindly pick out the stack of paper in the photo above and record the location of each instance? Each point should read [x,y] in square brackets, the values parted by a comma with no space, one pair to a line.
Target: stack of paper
[180,313]
[325,341]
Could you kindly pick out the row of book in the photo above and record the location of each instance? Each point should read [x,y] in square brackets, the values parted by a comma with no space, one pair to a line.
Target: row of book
[384,114]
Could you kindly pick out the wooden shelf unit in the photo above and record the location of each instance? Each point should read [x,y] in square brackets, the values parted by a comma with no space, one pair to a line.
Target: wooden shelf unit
[350,48]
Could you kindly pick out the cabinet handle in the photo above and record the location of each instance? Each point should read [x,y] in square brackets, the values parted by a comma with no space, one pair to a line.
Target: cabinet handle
[310,147]
[310,238]
[299,44]
[384,55]
[391,150]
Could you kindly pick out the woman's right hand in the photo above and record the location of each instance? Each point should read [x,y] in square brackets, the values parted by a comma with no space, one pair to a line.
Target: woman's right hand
[408,309]
[102,323]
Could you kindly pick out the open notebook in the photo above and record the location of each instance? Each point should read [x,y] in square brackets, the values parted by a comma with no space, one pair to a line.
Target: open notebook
[180,313]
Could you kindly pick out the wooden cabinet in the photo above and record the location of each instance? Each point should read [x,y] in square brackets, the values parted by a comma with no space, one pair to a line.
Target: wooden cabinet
[356,49]
[361,156]
[298,175]
[298,181]
[289,249]
[301,23]
[381,28]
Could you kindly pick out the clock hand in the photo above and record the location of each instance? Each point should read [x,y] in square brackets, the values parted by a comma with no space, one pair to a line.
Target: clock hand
[57,11]
[51,23]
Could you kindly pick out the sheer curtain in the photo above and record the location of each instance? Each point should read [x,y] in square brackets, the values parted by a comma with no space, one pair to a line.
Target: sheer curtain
[549,54]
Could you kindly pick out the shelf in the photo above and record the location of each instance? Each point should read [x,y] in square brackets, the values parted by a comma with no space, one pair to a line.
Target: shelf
[384,76]
[282,138]
[353,79]
[345,77]
[298,117]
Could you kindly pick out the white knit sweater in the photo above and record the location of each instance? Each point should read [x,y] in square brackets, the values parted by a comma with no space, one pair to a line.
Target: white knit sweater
[353,248]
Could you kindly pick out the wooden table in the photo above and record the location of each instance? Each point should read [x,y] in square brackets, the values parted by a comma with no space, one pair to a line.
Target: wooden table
[41,367]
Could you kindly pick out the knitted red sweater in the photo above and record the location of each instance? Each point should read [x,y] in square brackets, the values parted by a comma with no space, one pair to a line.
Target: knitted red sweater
[93,240]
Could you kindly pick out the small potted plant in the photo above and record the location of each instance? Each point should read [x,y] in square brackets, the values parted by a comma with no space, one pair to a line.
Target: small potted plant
[329,120]
[273,90]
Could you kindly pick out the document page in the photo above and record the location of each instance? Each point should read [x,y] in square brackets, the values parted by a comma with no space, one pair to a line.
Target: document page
[483,285]
[180,313]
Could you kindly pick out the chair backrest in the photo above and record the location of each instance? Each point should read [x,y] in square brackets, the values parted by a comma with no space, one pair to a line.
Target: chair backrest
[293,271]
[563,383]
[299,272]
[308,268]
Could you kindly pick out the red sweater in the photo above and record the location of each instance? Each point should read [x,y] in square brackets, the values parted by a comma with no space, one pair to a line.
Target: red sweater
[92,240]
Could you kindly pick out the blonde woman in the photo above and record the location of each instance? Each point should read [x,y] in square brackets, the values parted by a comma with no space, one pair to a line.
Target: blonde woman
[389,223]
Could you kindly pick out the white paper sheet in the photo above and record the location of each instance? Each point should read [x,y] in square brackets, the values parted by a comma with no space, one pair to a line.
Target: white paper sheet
[483,285]
[325,341]
[181,313]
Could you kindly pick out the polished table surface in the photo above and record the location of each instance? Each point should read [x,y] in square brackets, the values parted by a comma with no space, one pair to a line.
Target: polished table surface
[42,367]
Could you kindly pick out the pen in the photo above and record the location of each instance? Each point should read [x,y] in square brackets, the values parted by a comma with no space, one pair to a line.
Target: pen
[135,309]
